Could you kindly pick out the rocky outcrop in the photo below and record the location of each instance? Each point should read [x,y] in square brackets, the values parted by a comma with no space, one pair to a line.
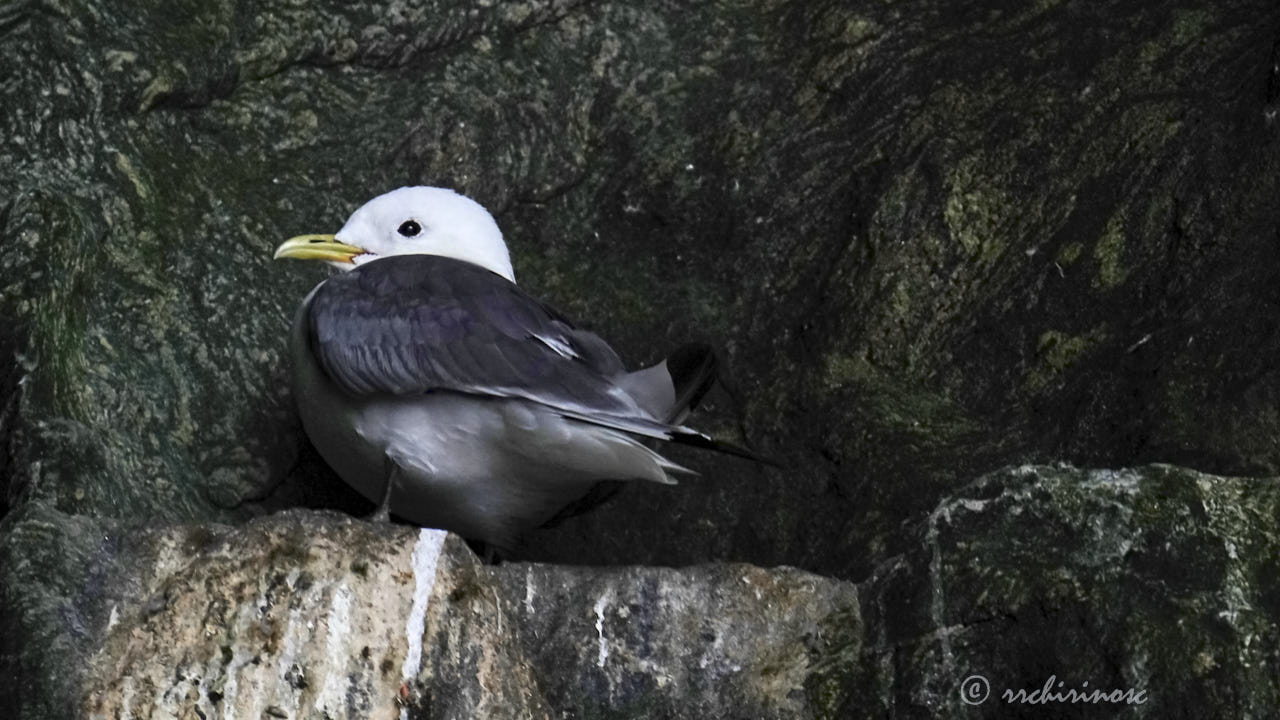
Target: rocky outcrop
[934,241]
[1152,586]
[309,614]
[1156,584]
[719,640]
[305,615]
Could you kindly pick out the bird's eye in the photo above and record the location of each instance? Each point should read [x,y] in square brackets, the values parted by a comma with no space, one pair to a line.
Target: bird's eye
[409,228]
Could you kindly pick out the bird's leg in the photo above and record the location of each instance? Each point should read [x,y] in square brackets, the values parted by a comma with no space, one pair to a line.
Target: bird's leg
[383,513]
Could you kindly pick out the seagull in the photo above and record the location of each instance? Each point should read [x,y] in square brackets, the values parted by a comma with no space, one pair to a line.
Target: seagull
[439,389]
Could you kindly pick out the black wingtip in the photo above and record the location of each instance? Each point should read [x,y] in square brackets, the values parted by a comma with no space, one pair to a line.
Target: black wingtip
[694,368]
[696,439]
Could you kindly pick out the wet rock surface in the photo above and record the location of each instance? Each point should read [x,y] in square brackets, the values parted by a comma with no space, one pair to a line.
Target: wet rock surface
[934,241]
[1155,583]
[723,640]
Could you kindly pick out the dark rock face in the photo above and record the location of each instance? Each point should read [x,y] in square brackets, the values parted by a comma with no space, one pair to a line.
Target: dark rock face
[1158,580]
[721,640]
[935,240]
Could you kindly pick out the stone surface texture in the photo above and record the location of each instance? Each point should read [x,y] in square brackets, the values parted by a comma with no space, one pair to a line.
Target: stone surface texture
[308,616]
[724,640]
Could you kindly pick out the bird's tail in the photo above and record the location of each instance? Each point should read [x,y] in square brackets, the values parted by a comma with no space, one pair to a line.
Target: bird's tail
[693,369]
[667,392]
[670,389]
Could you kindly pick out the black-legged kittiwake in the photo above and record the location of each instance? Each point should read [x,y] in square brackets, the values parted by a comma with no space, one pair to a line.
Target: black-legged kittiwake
[428,380]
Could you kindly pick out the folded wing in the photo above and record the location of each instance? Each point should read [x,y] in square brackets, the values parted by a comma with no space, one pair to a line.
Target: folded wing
[414,324]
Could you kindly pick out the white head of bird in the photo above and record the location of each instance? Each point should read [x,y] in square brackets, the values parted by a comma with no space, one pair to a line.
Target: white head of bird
[410,221]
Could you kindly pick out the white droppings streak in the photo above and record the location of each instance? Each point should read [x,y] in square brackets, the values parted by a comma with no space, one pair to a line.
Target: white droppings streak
[287,695]
[126,696]
[242,661]
[114,617]
[230,688]
[426,553]
[241,658]
[332,691]
[601,604]
[528,591]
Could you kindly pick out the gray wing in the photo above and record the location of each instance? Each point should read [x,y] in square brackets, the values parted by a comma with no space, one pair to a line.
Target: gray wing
[420,323]
[415,324]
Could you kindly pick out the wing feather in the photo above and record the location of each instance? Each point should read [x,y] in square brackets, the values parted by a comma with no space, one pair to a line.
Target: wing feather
[414,324]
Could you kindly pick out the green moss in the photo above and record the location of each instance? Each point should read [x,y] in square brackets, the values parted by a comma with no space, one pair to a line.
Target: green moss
[1185,28]
[1070,253]
[841,370]
[125,166]
[1109,254]
[1058,352]
[59,278]
[1189,25]
[834,671]
[976,209]
[912,414]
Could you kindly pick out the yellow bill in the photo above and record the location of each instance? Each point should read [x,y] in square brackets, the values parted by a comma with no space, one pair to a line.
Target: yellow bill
[317,247]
